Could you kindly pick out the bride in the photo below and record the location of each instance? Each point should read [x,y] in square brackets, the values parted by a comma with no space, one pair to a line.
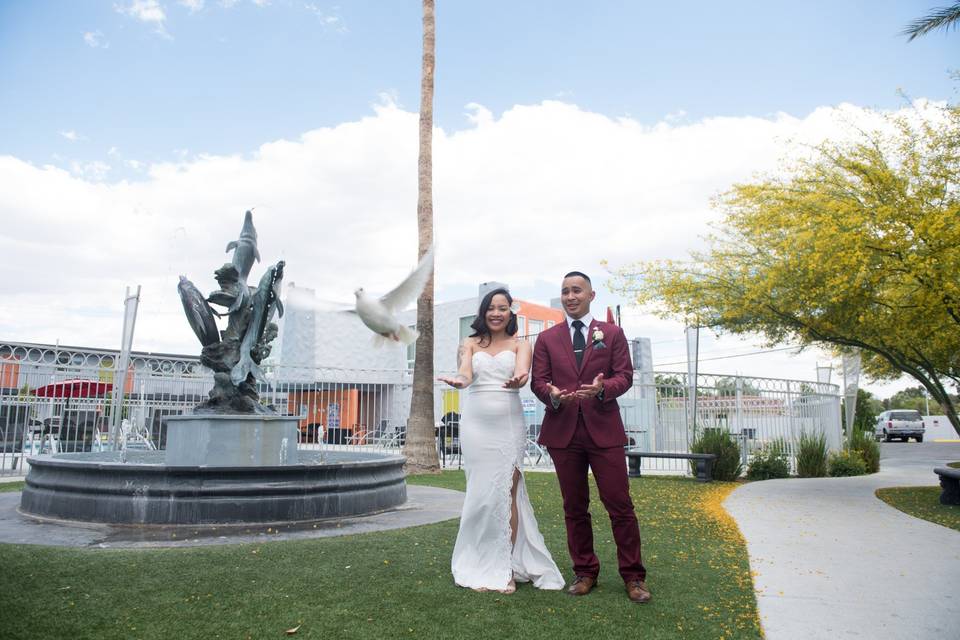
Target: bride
[499,543]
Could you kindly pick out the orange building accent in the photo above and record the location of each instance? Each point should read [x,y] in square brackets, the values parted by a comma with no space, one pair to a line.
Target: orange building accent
[9,373]
[532,314]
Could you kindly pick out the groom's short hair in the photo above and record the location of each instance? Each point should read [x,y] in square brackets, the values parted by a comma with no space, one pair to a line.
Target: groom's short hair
[581,274]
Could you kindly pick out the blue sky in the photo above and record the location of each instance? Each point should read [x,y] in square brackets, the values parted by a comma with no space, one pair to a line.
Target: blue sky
[227,77]
[570,133]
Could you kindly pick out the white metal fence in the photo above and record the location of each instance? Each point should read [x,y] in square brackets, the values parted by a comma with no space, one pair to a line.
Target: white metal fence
[368,409]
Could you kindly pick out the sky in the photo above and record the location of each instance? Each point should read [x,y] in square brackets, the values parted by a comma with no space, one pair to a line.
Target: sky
[135,133]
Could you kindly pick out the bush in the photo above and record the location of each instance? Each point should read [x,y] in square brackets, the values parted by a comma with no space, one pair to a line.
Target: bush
[846,463]
[864,443]
[770,462]
[812,455]
[727,466]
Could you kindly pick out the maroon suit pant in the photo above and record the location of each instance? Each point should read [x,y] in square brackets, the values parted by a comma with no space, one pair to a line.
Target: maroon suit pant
[610,472]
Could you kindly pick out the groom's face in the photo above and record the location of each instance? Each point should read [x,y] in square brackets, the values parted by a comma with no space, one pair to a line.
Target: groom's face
[576,294]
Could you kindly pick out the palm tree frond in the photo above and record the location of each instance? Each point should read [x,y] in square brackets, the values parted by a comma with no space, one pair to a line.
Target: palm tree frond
[942,18]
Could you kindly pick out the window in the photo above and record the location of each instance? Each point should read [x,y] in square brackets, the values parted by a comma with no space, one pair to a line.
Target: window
[521,325]
[905,415]
[536,326]
[465,328]
[550,323]
[411,351]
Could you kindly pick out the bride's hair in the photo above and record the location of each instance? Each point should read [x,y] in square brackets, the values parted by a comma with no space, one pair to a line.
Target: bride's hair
[479,325]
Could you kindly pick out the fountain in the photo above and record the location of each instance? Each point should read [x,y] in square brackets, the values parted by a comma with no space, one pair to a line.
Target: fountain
[233,460]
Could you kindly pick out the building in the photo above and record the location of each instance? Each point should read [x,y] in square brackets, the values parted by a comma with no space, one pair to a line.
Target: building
[345,382]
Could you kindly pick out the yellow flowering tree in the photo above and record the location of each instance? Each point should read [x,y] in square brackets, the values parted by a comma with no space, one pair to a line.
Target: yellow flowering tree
[856,246]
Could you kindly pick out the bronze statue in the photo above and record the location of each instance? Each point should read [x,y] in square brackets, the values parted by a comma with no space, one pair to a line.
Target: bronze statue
[235,354]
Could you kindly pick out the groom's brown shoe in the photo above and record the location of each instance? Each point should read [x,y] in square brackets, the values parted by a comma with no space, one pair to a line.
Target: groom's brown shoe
[582,585]
[637,591]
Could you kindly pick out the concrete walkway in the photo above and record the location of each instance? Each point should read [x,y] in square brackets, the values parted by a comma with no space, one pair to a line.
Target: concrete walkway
[831,560]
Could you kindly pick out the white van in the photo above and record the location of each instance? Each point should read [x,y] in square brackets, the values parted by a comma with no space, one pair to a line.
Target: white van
[900,423]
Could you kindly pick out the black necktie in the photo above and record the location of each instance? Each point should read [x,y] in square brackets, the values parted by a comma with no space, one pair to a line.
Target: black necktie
[579,342]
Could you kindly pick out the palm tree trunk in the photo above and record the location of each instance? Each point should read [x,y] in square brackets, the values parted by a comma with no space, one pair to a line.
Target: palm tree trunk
[420,448]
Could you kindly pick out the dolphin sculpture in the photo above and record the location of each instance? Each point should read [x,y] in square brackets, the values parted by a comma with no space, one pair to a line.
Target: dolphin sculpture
[199,313]
[264,301]
[245,247]
[244,253]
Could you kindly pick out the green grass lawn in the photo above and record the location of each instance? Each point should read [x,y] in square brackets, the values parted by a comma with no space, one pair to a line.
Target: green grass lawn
[922,502]
[392,584]
[11,486]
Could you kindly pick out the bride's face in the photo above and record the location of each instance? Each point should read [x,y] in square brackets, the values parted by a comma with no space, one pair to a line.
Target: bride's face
[498,313]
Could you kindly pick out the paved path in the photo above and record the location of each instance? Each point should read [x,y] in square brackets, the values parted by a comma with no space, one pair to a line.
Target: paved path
[831,560]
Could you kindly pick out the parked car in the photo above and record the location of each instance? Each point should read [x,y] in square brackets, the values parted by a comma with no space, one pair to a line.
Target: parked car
[900,423]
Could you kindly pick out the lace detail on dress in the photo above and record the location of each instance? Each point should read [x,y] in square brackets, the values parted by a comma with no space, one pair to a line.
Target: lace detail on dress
[490,372]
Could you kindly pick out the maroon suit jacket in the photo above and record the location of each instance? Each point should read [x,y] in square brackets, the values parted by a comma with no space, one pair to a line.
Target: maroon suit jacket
[553,361]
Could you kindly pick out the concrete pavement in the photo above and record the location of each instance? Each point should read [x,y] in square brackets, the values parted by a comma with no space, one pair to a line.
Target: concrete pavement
[831,560]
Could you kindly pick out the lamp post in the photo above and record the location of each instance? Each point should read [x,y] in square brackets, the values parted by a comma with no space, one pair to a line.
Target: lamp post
[823,373]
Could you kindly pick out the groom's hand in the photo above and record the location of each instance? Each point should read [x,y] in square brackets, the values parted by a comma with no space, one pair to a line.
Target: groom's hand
[559,396]
[591,390]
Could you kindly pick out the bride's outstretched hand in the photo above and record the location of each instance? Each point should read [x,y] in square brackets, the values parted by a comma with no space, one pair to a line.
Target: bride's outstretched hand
[457,382]
[516,381]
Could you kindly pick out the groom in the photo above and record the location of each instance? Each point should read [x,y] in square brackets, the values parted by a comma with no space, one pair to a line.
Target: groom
[579,369]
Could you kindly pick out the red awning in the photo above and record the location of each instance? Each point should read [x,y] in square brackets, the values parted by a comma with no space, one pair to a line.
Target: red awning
[73,389]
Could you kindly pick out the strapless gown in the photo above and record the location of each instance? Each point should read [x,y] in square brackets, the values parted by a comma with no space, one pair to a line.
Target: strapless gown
[493,437]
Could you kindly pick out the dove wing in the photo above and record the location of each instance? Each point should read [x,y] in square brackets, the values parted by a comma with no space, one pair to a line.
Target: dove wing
[408,290]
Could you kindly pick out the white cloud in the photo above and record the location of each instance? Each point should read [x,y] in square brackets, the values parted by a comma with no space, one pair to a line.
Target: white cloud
[520,197]
[95,171]
[329,20]
[72,136]
[148,11]
[192,5]
[95,39]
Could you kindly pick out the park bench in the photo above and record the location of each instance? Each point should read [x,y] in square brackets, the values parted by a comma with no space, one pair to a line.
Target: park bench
[704,462]
[950,482]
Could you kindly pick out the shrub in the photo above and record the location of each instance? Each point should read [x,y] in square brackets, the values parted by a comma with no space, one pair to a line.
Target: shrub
[812,455]
[770,462]
[846,463]
[727,466]
[864,443]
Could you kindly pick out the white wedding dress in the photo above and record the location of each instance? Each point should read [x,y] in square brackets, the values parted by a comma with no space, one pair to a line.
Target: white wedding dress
[493,438]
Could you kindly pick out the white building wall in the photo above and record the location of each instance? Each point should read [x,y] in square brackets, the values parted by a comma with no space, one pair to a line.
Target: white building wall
[320,340]
[446,330]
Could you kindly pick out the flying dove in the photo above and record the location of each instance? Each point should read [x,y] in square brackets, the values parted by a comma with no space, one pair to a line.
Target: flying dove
[379,314]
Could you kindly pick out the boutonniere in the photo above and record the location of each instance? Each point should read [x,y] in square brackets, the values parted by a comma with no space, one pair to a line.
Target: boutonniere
[598,339]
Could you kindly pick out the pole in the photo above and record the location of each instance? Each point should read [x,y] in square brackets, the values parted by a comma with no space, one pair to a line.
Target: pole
[693,360]
[130,304]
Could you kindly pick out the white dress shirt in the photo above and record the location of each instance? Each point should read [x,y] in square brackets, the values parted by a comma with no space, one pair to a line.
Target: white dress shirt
[586,320]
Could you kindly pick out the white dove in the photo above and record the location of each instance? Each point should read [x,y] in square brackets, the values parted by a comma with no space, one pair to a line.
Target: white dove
[379,313]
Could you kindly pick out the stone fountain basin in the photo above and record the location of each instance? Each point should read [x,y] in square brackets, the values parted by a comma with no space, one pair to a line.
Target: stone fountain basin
[99,487]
